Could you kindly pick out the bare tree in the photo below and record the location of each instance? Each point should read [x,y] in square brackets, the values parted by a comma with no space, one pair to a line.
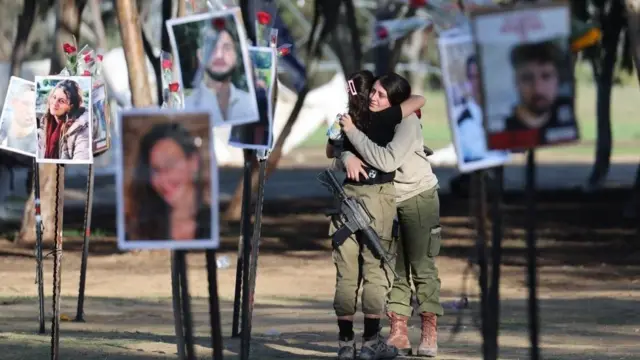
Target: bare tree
[131,35]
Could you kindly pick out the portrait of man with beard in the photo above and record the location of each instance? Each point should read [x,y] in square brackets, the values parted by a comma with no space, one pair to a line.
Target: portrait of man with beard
[214,66]
[544,110]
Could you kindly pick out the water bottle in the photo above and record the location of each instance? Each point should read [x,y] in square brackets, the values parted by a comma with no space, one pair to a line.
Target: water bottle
[335,130]
[222,262]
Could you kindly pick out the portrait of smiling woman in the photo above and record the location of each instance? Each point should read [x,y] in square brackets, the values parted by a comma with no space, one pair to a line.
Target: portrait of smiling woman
[64,124]
[167,191]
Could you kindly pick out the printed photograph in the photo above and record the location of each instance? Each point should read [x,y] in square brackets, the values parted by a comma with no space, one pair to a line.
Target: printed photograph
[101,120]
[461,80]
[527,77]
[63,113]
[167,182]
[213,66]
[259,135]
[18,119]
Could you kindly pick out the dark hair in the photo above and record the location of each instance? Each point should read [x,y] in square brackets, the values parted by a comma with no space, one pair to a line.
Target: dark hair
[540,52]
[471,60]
[398,88]
[359,103]
[150,211]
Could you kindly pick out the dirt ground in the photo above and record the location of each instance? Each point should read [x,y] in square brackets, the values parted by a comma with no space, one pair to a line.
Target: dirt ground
[589,291]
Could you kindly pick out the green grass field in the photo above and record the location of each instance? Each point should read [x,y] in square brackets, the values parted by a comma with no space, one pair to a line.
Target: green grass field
[625,127]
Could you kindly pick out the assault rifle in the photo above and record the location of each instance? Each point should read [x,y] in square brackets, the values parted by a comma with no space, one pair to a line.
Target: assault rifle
[354,217]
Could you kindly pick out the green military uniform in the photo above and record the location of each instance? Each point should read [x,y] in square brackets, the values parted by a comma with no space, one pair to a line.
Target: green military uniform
[355,260]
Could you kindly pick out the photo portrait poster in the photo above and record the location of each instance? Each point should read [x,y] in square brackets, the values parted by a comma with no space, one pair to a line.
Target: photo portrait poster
[166,180]
[259,135]
[213,66]
[461,80]
[101,120]
[527,77]
[18,119]
[64,121]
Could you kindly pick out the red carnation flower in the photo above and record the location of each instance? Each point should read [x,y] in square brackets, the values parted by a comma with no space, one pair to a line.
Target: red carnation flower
[68,48]
[264,18]
[173,87]
[381,32]
[99,57]
[87,58]
[284,50]
[218,23]
[86,73]
[166,64]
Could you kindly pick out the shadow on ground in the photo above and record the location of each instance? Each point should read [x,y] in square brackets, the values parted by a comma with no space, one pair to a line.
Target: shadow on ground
[605,328]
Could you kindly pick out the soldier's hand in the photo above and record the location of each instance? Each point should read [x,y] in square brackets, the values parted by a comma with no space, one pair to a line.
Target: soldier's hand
[355,168]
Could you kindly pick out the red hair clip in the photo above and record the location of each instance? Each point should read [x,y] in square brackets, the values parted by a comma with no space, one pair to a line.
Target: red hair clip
[352,87]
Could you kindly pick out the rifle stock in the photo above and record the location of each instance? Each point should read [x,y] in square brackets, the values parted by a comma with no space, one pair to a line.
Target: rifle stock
[354,217]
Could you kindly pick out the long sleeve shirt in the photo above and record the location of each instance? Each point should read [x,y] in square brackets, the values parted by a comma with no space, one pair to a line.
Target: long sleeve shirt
[405,153]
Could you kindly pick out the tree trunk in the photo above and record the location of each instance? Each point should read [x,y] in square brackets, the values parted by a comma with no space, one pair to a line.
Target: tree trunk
[25,23]
[98,24]
[68,13]
[633,28]
[134,53]
[611,29]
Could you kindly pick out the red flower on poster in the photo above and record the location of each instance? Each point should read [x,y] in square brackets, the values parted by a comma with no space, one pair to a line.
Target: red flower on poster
[167,64]
[174,87]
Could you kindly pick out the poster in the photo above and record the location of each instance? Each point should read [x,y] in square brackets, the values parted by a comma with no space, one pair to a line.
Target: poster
[527,77]
[461,80]
[166,180]
[101,121]
[259,136]
[64,122]
[18,119]
[213,66]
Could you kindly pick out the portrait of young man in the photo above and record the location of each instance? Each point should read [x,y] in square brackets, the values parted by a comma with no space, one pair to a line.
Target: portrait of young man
[543,115]
[215,69]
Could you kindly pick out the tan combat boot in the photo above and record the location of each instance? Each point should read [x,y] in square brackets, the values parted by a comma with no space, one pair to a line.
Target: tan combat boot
[429,339]
[399,335]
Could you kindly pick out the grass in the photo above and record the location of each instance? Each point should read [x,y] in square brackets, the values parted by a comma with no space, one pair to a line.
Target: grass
[625,129]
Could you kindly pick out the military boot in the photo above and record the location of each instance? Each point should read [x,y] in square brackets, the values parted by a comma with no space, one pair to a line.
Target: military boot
[399,335]
[429,338]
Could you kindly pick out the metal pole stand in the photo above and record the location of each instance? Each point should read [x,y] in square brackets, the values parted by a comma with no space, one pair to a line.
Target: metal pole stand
[532,266]
[182,306]
[85,245]
[214,306]
[480,210]
[57,263]
[244,249]
[493,296]
[39,256]
[248,299]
